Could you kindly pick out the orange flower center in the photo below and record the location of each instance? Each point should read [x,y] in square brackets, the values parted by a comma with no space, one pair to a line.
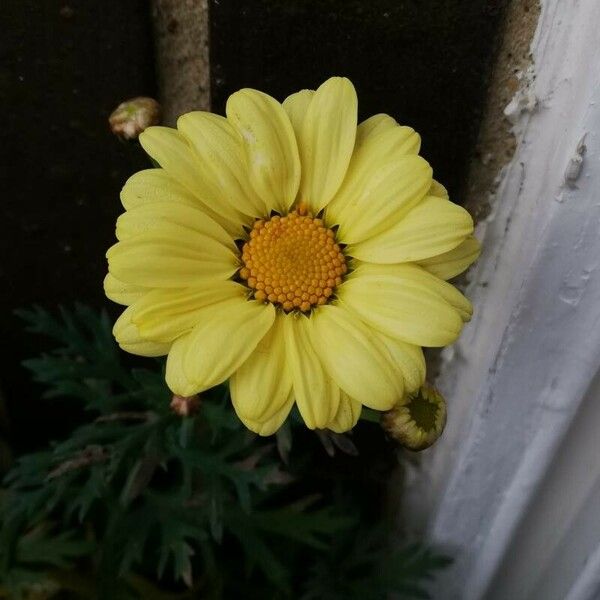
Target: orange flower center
[292,261]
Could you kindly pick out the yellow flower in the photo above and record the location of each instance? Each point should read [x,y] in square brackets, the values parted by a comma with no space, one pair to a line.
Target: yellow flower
[293,252]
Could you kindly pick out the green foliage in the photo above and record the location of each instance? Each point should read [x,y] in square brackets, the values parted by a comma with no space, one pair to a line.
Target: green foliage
[363,567]
[139,502]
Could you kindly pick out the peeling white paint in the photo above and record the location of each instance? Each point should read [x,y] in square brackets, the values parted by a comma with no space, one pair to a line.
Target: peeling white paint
[575,166]
[525,100]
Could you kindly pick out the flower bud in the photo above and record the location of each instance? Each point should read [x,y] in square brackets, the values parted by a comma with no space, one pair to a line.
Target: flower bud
[131,117]
[185,406]
[418,420]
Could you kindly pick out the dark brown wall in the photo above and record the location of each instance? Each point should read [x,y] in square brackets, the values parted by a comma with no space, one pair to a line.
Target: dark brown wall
[425,62]
[64,67]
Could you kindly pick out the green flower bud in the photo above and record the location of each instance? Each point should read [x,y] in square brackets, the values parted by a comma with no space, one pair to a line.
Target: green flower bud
[185,406]
[418,420]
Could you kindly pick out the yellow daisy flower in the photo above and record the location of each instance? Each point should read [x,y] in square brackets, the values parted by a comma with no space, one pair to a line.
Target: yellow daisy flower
[290,250]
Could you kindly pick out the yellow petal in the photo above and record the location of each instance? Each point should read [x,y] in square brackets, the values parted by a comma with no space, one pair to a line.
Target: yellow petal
[121,292]
[373,126]
[353,358]
[347,414]
[316,395]
[446,290]
[383,196]
[271,425]
[172,257]
[296,106]
[129,339]
[384,149]
[327,141]
[164,315]
[225,336]
[218,147]
[401,305]
[434,226]
[384,141]
[408,358]
[261,387]
[415,273]
[175,376]
[156,185]
[270,146]
[437,189]
[152,217]
[420,277]
[452,263]
[172,152]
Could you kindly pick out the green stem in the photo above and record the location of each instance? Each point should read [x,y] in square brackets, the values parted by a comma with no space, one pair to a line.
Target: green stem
[370,415]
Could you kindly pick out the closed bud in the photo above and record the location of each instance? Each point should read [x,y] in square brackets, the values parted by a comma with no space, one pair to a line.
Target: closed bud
[185,406]
[418,420]
[131,117]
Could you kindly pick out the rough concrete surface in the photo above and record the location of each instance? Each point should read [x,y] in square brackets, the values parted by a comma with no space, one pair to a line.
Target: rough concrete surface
[182,57]
[496,142]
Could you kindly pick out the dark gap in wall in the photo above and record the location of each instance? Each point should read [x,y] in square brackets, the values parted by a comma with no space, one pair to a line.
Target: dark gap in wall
[65,67]
[425,62]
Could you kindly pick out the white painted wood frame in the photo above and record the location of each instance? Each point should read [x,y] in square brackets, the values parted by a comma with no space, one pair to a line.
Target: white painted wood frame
[513,488]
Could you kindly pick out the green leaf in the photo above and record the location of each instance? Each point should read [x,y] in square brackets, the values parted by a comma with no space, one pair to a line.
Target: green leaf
[140,499]
[58,550]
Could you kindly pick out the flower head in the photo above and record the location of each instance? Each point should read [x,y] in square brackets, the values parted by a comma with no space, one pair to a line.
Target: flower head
[292,251]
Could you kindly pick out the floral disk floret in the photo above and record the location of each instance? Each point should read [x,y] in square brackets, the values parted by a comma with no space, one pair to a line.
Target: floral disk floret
[290,250]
